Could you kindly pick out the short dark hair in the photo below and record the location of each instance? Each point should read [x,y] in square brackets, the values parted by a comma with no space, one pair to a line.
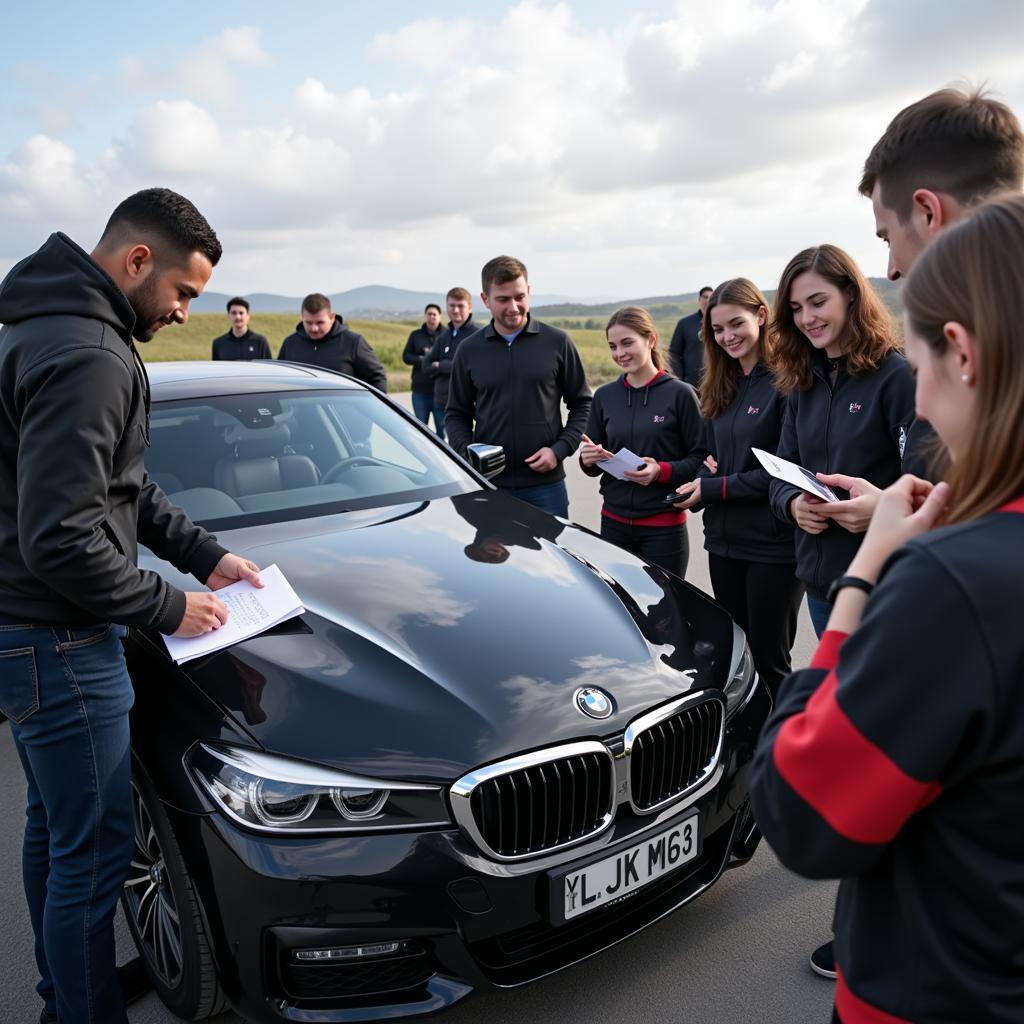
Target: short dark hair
[238,301]
[316,302]
[501,270]
[706,288]
[961,143]
[161,213]
[431,305]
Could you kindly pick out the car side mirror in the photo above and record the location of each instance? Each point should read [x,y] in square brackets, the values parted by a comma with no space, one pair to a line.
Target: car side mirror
[487,459]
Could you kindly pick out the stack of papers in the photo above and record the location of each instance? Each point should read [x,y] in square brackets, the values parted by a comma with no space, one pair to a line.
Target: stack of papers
[251,611]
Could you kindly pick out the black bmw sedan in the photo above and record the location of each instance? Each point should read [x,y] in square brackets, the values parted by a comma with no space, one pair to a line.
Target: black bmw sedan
[492,746]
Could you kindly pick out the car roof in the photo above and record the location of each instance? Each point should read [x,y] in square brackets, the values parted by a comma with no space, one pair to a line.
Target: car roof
[175,380]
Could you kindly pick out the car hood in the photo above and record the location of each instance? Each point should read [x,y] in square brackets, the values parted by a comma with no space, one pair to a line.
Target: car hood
[446,634]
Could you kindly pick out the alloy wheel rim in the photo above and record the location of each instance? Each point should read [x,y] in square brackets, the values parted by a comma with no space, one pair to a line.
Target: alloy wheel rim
[150,900]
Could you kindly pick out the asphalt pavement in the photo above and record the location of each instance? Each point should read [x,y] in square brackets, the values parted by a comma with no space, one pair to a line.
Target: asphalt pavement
[737,954]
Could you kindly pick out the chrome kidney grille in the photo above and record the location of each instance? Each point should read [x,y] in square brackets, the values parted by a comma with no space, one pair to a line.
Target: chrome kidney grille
[673,749]
[538,802]
[553,798]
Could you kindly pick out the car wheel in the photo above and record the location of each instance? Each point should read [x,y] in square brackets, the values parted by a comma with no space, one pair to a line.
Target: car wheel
[162,911]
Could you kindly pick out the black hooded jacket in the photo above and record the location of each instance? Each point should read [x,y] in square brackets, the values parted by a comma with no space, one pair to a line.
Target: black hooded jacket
[857,426]
[75,499]
[660,420]
[738,520]
[340,349]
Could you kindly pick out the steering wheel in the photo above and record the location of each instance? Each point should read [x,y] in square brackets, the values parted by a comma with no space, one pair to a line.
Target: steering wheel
[352,462]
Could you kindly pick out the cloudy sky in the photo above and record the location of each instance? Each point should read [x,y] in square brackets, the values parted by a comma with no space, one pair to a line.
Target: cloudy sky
[620,150]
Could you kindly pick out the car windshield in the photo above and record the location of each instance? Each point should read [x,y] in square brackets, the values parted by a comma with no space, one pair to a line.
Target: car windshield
[242,460]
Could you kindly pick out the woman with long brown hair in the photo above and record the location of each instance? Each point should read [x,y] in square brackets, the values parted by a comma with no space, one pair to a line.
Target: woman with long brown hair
[896,762]
[655,416]
[751,554]
[851,403]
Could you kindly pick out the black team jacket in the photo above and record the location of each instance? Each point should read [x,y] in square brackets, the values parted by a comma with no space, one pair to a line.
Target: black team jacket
[511,395]
[340,349]
[686,350]
[660,420]
[443,353]
[738,519]
[420,342]
[895,762]
[75,499]
[249,346]
[859,427]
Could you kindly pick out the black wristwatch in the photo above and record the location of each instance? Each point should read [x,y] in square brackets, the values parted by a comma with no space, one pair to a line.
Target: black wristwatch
[847,581]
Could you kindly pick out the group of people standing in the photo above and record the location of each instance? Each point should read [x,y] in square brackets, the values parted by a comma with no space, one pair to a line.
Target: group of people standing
[895,761]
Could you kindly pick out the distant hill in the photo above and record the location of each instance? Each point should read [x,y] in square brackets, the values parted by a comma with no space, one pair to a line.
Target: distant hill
[381,302]
[373,301]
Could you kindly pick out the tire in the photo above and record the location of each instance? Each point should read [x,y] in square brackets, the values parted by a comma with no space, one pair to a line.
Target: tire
[163,915]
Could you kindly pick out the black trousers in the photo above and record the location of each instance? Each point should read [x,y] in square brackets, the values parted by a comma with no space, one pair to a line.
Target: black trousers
[764,599]
[667,546]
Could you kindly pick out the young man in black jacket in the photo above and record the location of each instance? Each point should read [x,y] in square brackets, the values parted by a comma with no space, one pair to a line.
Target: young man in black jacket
[686,349]
[240,344]
[75,502]
[438,361]
[508,383]
[417,347]
[322,339]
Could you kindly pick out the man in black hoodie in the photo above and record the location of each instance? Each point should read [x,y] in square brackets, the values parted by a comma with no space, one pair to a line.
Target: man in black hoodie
[417,348]
[240,344]
[322,339]
[508,383]
[75,502]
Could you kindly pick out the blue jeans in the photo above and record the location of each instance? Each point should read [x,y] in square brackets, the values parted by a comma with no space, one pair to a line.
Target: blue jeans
[819,612]
[424,406]
[551,498]
[67,694]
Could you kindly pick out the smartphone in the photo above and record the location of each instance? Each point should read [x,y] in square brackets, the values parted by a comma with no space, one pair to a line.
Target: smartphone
[672,498]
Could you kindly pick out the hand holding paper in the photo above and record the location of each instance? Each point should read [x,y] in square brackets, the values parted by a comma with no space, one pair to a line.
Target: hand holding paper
[250,611]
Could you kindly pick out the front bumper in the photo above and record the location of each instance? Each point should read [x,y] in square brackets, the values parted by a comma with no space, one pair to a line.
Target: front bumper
[464,920]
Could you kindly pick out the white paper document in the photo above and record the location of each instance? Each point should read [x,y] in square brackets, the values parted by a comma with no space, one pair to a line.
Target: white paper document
[796,475]
[620,463]
[251,611]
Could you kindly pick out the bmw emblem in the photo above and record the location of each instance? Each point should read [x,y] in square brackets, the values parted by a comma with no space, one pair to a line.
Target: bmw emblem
[594,703]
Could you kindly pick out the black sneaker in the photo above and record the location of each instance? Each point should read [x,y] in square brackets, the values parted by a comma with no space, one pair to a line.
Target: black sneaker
[134,981]
[823,961]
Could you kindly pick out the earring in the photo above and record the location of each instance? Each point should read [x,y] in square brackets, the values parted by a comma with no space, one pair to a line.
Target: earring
[964,377]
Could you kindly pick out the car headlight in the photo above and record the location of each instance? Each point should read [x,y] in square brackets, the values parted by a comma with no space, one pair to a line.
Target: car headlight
[270,793]
[742,676]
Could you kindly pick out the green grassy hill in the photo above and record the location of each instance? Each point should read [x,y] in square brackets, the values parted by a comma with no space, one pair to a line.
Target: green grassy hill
[192,341]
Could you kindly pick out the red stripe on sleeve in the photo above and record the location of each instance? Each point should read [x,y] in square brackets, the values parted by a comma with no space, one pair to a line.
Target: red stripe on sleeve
[666,473]
[854,785]
[853,1010]
[827,654]
[723,488]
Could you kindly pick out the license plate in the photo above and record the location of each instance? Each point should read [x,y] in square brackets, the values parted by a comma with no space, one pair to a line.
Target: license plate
[602,882]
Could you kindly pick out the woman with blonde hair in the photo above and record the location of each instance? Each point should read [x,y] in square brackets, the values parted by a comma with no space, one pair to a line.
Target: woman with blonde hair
[655,416]
[896,762]
[851,405]
[751,554]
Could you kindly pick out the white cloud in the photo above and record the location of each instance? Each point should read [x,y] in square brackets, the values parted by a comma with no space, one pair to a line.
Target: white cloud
[641,156]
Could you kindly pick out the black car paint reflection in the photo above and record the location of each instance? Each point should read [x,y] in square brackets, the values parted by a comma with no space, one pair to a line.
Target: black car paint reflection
[440,635]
